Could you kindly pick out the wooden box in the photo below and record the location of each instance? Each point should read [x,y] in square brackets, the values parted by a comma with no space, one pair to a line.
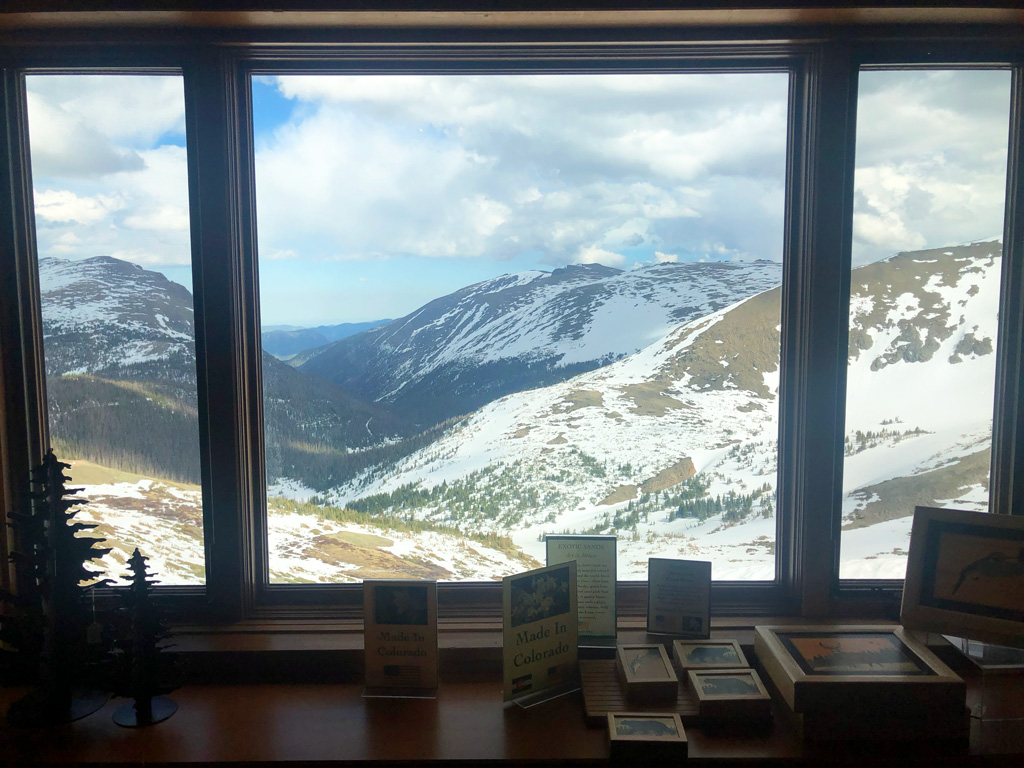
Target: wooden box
[871,670]
[730,693]
[708,654]
[646,736]
[647,674]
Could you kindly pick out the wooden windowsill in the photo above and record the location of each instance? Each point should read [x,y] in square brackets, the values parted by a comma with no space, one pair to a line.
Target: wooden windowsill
[291,723]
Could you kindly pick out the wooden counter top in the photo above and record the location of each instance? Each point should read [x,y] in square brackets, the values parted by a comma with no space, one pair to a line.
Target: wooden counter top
[332,722]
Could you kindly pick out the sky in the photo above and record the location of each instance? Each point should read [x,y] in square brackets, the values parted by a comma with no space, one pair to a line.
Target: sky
[378,193]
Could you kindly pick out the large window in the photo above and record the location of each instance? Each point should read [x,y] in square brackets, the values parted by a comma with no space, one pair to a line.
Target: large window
[500,306]
[924,304]
[110,185]
[450,297]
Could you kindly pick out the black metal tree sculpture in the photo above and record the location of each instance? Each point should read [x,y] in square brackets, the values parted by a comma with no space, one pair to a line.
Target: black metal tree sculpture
[145,670]
[52,613]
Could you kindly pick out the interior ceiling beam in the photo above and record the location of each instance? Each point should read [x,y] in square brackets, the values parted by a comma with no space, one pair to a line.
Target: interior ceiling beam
[27,15]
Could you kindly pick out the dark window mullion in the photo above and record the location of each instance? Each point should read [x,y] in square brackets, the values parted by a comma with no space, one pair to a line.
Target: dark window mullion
[221,362]
[815,320]
[1007,485]
[25,434]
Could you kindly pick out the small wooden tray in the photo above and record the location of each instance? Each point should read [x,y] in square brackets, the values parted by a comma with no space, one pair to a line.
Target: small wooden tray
[603,692]
[646,736]
[730,693]
[647,673]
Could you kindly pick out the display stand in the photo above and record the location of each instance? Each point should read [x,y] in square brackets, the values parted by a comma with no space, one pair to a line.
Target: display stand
[599,646]
[996,701]
[540,697]
[378,692]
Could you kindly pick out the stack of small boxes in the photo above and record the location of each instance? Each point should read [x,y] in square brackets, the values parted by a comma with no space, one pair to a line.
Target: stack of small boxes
[721,680]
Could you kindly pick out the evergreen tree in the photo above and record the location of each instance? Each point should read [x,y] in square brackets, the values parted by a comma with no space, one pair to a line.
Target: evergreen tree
[52,610]
[144,672]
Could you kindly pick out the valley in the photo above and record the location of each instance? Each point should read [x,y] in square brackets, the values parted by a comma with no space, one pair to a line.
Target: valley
[447,443]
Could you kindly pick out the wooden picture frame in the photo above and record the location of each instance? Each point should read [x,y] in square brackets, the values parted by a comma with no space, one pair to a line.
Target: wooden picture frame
[708,654]
[596,574]
[679,597]
[647,735]
[730,693]
[856,668]
[965,575]
[647,673]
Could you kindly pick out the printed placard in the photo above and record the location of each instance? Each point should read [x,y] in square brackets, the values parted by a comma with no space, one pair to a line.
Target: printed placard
[595,579]
[400,621]
[540,622]
[679,597]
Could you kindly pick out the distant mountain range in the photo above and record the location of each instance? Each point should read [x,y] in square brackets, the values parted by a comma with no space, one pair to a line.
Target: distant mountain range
[586,398]
[527,330]
[284,342]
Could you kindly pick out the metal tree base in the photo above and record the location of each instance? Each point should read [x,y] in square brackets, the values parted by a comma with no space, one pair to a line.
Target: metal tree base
[160,708]
[37,709]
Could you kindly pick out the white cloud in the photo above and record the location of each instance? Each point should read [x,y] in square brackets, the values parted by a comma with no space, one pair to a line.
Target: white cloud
[128,110]
[280,255]
[494,167]
[931,159]
[593,255]
[63,206]
[166,218]
[106,181]
[664,258]
[63,144]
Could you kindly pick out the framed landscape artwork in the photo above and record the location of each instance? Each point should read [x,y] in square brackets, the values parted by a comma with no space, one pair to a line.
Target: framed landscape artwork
[730,693]
[823,667]
[709,654]
[646,735]
[647,673]
[965,575]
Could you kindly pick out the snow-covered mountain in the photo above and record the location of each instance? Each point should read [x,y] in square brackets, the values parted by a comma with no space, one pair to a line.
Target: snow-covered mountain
[517,332]
[103,313]
[642,402]
[121,382]
[674,447]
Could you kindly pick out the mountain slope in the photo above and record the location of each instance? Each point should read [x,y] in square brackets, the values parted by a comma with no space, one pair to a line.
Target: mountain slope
[121,380]
[674,447]
[522,331]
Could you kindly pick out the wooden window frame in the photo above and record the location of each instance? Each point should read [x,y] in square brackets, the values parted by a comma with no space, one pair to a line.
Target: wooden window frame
[823,69]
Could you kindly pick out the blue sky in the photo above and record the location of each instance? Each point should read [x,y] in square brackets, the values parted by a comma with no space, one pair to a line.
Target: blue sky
[376,194]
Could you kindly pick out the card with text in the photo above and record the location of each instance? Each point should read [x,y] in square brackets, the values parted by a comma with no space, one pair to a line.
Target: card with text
[400,621]
[595,578]
[540,621]
[679,597]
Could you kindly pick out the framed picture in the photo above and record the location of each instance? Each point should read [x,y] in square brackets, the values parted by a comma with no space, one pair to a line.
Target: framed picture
[856,667]
[679,597]
[595,580]
[646,734]
[647,673]
[965,575]
[539,630]
[730,693]
[708,654]
[400,636]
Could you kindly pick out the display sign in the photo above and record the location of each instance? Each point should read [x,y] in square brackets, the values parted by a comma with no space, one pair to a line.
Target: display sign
[595,579]
[679,597]
[540,622]
[400,621]
[965,575]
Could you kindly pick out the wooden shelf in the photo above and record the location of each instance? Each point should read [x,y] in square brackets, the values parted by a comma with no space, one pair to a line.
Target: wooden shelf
[294,724]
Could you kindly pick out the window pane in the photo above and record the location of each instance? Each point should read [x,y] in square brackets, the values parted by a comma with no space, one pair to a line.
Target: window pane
[496,307]
[929,188]
[111,203]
